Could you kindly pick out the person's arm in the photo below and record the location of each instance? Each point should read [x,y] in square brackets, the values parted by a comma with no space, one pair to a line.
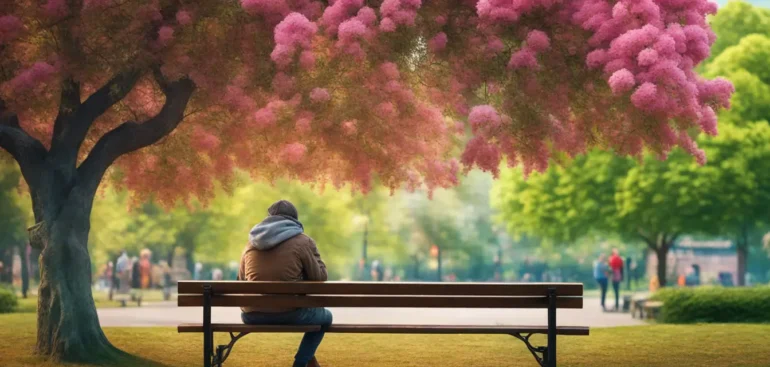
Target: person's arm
[313,266]
[249,266]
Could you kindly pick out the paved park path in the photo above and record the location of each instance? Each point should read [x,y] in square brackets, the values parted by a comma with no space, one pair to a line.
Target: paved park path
[168,314]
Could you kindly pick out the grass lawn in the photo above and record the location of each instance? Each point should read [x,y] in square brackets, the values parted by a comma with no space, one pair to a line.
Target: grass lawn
[101,299]
[653,345]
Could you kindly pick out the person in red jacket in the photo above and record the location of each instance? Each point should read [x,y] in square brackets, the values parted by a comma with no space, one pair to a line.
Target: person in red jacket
[616,267]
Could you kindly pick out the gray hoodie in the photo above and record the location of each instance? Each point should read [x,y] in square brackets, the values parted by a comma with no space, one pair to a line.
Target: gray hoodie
[273,231]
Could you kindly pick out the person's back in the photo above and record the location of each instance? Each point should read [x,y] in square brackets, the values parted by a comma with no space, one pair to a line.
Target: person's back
[278,250]
[272,258]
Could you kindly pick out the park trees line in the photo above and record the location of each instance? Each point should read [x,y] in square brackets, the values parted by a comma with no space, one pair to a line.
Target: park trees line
[656,199]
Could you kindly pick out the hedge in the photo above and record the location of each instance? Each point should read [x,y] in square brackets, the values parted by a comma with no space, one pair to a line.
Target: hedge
[8,300]
[714,305]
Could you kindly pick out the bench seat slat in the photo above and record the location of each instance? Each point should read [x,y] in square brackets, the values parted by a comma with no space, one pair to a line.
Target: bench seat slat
[379,288]
[290,301]
[389,329]
[198,328]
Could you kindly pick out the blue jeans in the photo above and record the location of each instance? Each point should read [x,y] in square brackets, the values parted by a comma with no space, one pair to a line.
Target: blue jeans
[303,316]
[603,286]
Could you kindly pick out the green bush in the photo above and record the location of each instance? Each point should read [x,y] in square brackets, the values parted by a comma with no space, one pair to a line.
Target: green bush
[8,300]
[714,304]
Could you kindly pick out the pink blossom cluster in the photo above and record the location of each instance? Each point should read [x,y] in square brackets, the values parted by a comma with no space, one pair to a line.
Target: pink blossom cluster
[526,57]
[293,153]
[165,35]
[398,13]
[10,28]
[184,17]
[353,31]
[237,98]
[319,95]
[276,10]
[338,12]
[294,34]
[55,9]
[506,11]
[267,116]
[645,49]
[32,77]
[648,49]
[204,140]
[438,42]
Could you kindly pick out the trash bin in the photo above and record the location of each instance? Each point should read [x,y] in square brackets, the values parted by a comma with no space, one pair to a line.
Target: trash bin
[626,303]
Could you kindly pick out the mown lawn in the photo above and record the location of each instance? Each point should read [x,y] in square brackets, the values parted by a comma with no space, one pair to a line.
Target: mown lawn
[653,345]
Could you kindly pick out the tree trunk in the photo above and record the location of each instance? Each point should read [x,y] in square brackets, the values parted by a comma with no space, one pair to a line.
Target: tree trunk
[662,253]
[67,324]
[743,255]
[25,270]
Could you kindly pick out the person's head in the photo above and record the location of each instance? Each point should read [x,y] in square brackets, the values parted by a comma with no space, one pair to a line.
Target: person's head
[615,251]
[601,257]
[283,208]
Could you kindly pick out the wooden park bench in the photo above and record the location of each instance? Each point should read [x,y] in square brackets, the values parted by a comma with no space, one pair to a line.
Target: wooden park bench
[548,296]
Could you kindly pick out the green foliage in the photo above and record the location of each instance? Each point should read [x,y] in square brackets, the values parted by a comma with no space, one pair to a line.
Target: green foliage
[13,226]
[736,20]
[217,232]
[566,202]
[8,300]
[745,64]
[458,221]
[714,304]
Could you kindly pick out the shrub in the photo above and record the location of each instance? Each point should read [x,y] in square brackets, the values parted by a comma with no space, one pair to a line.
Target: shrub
[8,300]
[714,304]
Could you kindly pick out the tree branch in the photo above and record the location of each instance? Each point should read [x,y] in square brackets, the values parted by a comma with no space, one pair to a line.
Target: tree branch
[75,119]
[68,105]
[131,136]
[646,238]
[28,152]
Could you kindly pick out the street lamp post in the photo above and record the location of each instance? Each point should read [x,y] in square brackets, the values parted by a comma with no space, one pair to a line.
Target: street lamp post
[366,241]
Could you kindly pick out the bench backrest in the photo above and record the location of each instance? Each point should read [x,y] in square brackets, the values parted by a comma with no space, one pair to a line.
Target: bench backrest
[373,294]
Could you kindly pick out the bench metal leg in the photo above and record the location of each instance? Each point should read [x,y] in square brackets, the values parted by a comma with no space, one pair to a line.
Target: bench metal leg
[223,351]
[540,353]
[551,328]
[208,332]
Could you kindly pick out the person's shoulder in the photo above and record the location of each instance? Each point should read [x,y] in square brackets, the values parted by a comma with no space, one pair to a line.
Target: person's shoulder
[301,240]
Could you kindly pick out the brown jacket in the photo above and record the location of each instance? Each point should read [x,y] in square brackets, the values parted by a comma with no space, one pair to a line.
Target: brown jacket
[293,260]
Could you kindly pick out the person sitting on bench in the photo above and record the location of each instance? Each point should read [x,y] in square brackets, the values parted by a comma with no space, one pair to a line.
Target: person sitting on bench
[278,250]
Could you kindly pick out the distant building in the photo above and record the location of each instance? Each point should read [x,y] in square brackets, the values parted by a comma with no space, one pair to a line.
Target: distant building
[713,256]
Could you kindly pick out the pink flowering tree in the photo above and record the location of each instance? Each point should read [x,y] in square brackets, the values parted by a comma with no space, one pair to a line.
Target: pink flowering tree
[337,92]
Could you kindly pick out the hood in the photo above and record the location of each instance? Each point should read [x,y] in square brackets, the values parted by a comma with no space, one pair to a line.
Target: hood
[274,230]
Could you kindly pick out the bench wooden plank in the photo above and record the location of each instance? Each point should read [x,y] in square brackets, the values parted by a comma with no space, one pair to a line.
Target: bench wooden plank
[454,329]
[389,329]
[379,288]
[289,301]
[198,328]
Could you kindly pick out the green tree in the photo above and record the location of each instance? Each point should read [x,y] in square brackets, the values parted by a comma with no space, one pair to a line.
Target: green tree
[736,20]
[745,64]
[13,217]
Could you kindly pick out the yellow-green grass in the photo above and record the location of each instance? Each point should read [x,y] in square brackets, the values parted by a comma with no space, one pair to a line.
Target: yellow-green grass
[101,299]
[653,345]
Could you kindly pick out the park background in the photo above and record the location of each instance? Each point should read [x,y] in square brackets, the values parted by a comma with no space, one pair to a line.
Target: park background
[547,227]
